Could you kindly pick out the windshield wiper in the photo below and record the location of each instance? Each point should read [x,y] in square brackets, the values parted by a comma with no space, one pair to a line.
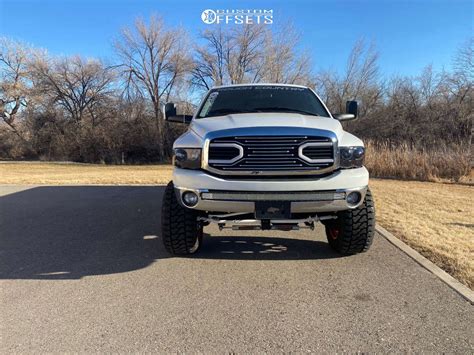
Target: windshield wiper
[284,109]
[225,111]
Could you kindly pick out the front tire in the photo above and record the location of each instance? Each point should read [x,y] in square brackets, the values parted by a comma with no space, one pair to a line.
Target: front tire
[353,230]
[180,229]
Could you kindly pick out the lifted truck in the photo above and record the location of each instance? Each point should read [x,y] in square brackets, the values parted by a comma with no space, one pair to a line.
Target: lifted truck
[269,157]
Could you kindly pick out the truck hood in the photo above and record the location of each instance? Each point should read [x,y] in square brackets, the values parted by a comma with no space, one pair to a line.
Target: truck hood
[202,126]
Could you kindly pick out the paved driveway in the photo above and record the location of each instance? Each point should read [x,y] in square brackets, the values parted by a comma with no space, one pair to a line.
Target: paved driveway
[83,269]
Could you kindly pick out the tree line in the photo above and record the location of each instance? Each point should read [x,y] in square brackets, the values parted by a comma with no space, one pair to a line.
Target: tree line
[110,111]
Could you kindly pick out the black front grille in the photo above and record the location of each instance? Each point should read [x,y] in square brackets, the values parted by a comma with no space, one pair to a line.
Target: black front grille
[272,153]
[315,152]
[223,153]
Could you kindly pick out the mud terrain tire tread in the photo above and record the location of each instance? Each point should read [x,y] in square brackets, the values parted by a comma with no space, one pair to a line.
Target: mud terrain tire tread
[180,229]
[356,228]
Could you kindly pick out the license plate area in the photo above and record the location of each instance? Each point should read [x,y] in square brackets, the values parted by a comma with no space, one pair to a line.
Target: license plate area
[273,209]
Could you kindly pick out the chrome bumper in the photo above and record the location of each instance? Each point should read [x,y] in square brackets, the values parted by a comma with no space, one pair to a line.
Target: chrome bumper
[244,201]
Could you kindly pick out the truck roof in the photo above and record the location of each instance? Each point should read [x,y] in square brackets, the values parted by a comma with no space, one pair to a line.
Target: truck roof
[259,84]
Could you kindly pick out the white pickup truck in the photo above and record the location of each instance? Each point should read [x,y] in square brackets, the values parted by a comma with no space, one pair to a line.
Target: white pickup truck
[269,157]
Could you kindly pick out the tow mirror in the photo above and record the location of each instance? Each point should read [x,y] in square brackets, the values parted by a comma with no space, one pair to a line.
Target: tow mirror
[352,107]
[352,110]
[171,115]
[170,110]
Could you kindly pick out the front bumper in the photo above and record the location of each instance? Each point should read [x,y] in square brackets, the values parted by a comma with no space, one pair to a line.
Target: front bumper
[325,194]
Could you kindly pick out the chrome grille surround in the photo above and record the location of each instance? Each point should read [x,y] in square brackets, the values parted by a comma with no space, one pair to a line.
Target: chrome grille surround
[282,156]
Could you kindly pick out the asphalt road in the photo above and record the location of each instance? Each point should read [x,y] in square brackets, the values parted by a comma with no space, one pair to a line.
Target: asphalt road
[83,269]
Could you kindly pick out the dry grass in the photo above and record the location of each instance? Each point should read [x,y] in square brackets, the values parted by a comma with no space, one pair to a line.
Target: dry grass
[434,218]
[83,174]
[405,162]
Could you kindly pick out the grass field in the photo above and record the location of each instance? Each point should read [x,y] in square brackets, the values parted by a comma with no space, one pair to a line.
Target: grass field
[434,218]
[83,174]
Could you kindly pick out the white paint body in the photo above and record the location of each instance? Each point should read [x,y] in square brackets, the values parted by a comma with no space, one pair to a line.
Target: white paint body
[201,180]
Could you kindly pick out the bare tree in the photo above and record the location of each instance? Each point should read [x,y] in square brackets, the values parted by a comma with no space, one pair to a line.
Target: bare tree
[282,62]
[228,56]
[244,53]
[464,61]
[210,59]
[463,81]
[74,108]
[247,54]
[154,58]
[359,81]
[80,86]
[14,80]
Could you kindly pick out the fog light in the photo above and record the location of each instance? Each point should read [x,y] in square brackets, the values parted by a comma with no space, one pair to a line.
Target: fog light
[353,198]
[190,199]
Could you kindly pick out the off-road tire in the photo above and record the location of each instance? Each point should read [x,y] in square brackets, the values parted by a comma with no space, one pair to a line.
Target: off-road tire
[353,230]
[180,230]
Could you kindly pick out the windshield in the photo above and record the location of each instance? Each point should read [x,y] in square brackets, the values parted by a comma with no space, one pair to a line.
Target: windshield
[272,98]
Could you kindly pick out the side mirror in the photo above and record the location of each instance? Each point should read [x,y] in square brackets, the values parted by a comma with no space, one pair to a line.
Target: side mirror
[170,110]
[171,116]
[352,109]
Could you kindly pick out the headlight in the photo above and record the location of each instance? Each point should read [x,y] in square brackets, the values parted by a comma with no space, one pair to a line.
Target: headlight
[351,157]
[187,158]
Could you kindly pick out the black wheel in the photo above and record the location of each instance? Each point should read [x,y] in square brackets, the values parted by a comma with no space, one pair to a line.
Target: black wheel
[353,230]
[180,230]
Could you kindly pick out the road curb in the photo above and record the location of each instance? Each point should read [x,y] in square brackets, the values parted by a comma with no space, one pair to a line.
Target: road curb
[463,290]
